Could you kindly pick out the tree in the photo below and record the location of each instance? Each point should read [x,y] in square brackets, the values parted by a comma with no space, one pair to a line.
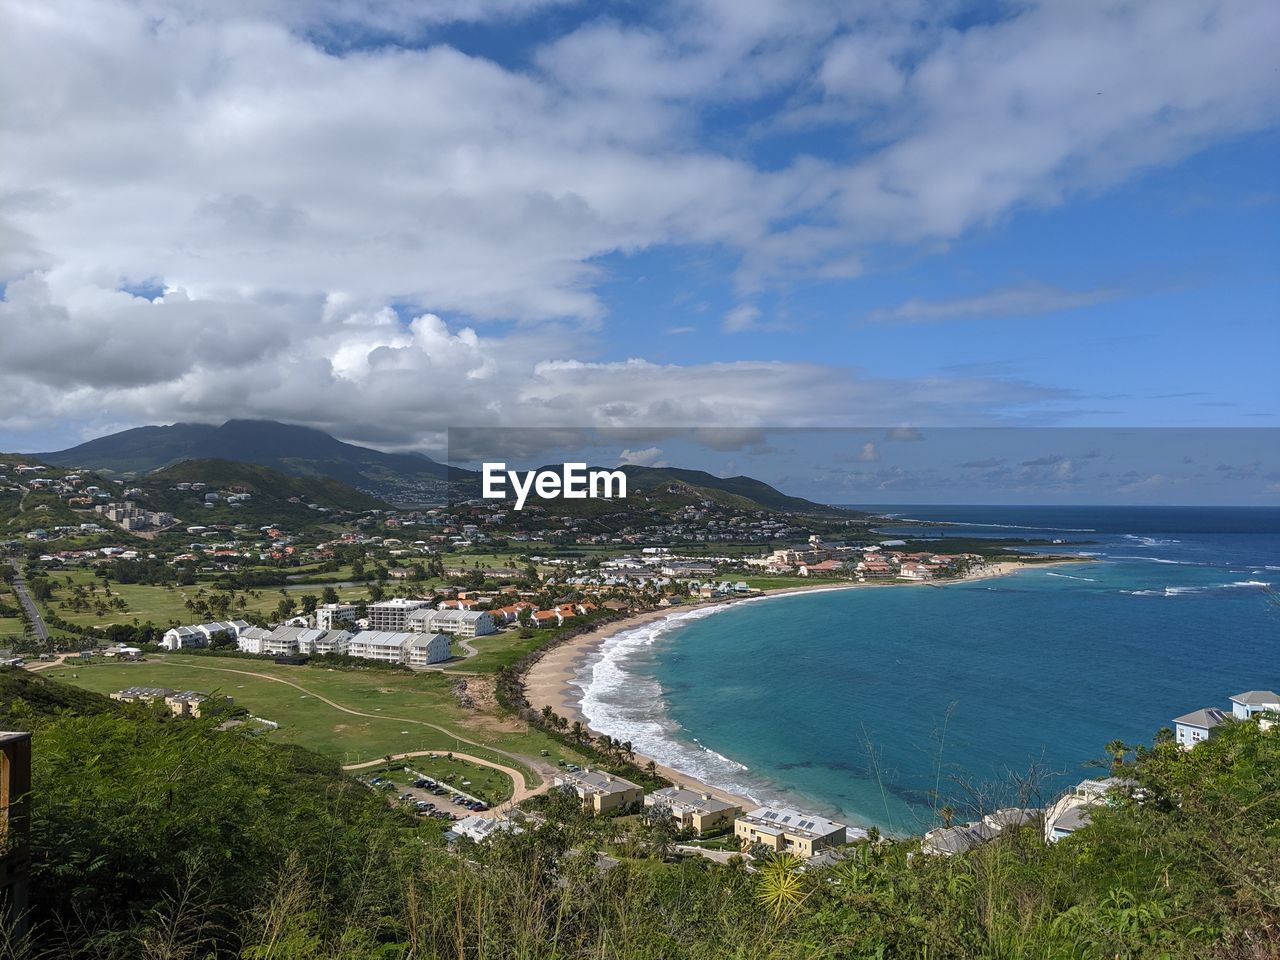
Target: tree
[578,731]
[1118,750]
[329,595]
[309,603]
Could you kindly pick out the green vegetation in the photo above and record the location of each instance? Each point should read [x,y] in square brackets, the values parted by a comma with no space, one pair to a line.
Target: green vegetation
[162,838]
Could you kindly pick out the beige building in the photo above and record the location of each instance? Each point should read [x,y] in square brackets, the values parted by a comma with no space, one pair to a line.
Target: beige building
[600,792]
[700,812]
[788,831]
[182,703]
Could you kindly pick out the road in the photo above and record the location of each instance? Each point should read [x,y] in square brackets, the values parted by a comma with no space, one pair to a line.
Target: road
[24,597]
[521,792]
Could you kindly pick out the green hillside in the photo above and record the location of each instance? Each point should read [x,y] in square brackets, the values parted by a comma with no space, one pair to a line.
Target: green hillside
[265,484]
[287,448]
[27,699]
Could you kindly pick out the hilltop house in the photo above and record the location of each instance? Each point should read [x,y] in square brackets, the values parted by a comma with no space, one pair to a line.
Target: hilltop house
[1074,809]
[789,831]
[1244,706]
[946,841]
[1191,728]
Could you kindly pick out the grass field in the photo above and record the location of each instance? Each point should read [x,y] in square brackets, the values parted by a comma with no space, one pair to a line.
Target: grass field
[11,626]
[392,713]
[491,786]
[501,649]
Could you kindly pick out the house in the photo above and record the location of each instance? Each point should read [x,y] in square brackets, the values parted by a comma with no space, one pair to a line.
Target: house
[426,649]
[198,635]
[1191,728]
[1245,706]
[481,828]
[700,812]
[946,841]
[1074,809]
[329,615]
[789,831]
[600,792]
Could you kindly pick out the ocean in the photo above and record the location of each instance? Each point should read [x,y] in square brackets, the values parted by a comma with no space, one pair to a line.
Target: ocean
[878,706]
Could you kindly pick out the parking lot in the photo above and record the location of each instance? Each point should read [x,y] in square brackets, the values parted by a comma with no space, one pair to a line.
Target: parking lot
[429,797]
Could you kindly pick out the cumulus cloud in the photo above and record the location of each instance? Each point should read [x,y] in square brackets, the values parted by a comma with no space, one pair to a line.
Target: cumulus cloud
[298,188]
[649,457]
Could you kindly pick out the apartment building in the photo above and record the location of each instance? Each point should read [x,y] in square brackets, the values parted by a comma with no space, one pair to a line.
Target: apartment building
[455,622]
[391,616]
[182,703]
[600,792]
[329,615]
[700,812]
[789,831]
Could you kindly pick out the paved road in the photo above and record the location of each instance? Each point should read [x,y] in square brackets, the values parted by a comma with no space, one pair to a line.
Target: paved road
[517,780]
[24,597]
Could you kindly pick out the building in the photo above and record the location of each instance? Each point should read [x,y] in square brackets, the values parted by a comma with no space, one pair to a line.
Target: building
[458,623]
[481,828]
[320,642]
[1074,809]
[1191,728]
[700,812]
[789,831]
[15,827]
[600,792]
[393,615]
[1244,706]
[387,646]
[197,635]
[425,649]
[946,841]
[182,703]
[252,640]
[329,615]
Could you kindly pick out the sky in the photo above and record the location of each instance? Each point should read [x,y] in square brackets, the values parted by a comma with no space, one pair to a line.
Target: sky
[387,218]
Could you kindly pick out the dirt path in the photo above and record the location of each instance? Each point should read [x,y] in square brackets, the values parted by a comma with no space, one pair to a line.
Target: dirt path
[521,792]
[375,716]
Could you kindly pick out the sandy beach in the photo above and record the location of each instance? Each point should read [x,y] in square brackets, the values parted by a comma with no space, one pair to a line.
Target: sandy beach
[549,682]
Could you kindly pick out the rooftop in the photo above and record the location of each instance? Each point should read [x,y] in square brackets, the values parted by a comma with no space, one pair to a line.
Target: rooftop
[792,821]
[1257,698]
[1207,718]
[597,781]
[691,800]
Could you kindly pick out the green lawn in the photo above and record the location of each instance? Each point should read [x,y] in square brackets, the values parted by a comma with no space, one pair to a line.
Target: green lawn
[11,625]
[501,649]
[409,702]
[491,786]
[143,602]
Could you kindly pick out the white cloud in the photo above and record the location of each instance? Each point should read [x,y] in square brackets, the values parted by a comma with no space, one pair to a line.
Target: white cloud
[286,195]
[741,318]
[1024,301]
[648,457]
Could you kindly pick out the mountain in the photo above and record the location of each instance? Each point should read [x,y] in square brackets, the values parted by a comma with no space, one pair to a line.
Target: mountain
[298,451]
[269,487]
[749,492]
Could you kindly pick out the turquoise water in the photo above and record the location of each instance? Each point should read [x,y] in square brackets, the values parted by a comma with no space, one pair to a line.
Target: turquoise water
[879,704]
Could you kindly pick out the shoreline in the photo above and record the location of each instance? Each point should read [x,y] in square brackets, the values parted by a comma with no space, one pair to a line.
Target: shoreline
[550,680]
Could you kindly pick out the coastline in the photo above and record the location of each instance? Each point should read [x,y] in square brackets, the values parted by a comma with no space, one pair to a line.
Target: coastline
[550,680]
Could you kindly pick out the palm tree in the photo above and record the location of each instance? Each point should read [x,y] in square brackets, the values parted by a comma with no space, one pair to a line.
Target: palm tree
[548,715]
[1117,749]
[781,886]
[948,813]
[578,732]
[627,748]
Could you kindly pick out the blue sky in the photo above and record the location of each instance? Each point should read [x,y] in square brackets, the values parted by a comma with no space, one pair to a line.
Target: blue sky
[386,219]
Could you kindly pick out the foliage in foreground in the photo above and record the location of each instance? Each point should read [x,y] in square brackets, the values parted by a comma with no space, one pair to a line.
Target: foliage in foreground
[165,839]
